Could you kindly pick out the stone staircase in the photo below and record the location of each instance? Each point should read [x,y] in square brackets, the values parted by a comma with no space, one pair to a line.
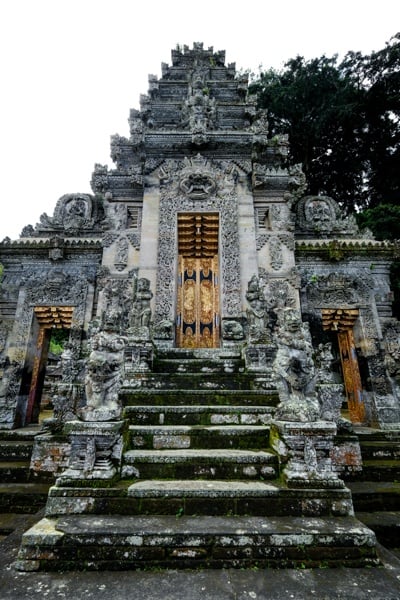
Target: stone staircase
[199,486]
[376,489]
[19,493]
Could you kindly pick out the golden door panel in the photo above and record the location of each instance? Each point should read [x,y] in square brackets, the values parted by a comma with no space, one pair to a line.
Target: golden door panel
[198,303]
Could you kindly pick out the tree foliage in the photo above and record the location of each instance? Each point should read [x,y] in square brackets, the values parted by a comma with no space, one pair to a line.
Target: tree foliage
[343,122]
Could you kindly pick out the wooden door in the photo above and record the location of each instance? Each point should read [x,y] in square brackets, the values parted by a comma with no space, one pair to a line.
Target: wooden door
[198,303]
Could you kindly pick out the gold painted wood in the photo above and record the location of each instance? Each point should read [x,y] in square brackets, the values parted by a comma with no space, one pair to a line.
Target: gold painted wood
[198,287]
[198,303]
[59,317]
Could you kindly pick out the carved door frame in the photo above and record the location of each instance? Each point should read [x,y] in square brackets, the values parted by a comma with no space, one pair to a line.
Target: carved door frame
[197,291]
[341,321]
[46,318]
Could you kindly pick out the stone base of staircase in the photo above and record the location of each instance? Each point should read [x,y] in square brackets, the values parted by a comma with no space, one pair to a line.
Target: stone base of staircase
[148,542]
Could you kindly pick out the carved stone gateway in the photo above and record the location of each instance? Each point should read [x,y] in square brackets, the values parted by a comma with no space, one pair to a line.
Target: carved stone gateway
[214,316]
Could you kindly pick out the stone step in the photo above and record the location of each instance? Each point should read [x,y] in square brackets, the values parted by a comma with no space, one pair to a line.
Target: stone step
[158,437]
[8,523]
[199,497]
[191,380]
[14,471]
[198,365]
[385,525]
[23,497]
[79,542]
[199,464]
[188,381]
[255,498]
[207,396]
[380,470]
[22,434]
[15,450]
[367,434]
[201,354]
[369,496]
[199,415]
[380,450]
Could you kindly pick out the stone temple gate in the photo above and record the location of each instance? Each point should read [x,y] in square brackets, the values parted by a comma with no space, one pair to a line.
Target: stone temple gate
[221,327]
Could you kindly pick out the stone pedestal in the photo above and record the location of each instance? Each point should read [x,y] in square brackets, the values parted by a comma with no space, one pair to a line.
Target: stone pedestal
[304,450]
[96,451]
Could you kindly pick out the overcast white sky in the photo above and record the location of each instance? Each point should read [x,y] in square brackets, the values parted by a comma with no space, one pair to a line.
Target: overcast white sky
[70,71]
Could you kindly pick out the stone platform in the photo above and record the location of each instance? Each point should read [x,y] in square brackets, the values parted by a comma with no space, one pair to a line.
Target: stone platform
[119,543]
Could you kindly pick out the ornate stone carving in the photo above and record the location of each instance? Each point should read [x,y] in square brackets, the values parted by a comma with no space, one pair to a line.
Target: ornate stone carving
[294,369]
[322,216]
[196,180]
[104,372]
[9,387]
[67,400]
[297,182]
[137,127]
[275,251]
[100,181]
[338,288]
[270,178]
[232,330]
[96,451]
[163,330]
[138,359]
[134,239]
[121,259]
[198,110]
[330,392]
[279,294]
[73,214]
[223,200]
[116,215]
[257,313]
[140,316]
[306,452]
[391,335]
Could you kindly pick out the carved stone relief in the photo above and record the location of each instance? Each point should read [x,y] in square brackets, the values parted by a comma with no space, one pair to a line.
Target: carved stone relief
[321,215]
[338,288]
[73,214]
[121,258]
[294,369]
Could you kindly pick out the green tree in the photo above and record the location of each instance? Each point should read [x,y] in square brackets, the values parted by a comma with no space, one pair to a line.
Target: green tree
[343,122]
